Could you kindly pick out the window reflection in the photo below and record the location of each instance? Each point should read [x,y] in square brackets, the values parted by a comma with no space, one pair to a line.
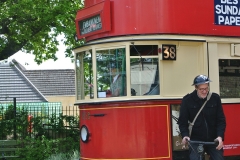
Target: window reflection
[145,76]
[78,73]
[229,78]
[84,75]
[111,72]
[88,74]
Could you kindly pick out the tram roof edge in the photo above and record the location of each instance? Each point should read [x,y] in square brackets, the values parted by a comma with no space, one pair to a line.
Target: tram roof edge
[110,18]
[146,38]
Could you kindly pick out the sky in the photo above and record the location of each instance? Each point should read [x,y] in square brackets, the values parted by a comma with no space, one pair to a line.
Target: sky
[27,60]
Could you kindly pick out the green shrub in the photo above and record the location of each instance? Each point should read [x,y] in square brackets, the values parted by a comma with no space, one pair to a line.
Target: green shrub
[74,155]
[50,135]
[9,121]
[42,148]
[52,126]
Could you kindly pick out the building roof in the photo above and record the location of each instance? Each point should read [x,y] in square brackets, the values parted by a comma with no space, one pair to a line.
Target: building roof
[53,82]
[14,84]
[34,85]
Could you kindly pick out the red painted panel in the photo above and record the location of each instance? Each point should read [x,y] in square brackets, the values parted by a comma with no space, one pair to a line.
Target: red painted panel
[134,17]
[127,131]
[141,129]
[232,138]
[100,9]
[91,2]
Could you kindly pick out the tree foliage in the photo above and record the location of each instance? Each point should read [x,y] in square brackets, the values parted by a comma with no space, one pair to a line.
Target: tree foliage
[32,26]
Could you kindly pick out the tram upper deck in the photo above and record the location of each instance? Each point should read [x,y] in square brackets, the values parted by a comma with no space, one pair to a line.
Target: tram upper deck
[153,49]
[115,18]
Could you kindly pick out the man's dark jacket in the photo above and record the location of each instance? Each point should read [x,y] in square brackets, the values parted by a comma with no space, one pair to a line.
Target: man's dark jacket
[209,124]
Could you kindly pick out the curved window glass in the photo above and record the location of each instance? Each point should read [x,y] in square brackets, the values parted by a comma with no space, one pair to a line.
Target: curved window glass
[144,70]
[229,78]
[117,72]
[144,76]
[111,72]
[84,75]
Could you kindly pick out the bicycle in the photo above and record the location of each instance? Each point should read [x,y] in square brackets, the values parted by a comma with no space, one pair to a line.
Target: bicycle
[200,148]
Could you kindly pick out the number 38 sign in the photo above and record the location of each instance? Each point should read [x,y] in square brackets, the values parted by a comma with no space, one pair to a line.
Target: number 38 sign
[169,52]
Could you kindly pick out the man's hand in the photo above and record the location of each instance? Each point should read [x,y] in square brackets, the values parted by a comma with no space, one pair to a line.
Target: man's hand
[184,142]
[185,139]
[220,145]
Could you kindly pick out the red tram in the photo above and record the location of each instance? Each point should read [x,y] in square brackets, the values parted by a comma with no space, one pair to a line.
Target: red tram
[139,60]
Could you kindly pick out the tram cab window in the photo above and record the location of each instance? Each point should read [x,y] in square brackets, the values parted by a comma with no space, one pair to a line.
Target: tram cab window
[84,75]
[229,78]
[111,72]
[144,70]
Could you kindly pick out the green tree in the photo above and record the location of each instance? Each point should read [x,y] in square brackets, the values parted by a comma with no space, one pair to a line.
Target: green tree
[32,26]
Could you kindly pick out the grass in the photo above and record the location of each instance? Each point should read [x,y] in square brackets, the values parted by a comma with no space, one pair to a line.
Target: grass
[74,155]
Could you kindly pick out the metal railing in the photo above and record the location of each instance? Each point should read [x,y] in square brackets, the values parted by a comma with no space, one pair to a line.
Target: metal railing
[18,120]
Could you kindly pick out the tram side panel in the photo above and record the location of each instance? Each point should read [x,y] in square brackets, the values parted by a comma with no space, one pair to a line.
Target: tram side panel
[232,138]
[231,141]
[129,131]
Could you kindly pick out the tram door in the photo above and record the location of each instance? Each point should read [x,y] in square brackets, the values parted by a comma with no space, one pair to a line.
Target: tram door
[179,152]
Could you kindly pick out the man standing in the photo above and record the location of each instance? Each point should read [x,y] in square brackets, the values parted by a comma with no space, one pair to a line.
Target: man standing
[210,124]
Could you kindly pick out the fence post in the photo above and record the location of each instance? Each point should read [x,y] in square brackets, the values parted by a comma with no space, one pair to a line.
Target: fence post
[15,111]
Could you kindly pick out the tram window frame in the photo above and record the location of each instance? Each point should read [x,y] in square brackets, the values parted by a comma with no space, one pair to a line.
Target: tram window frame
[229,78]
[111,75]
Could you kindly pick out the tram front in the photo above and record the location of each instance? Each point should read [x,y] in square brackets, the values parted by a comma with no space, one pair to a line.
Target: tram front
[118,93]
[138,61]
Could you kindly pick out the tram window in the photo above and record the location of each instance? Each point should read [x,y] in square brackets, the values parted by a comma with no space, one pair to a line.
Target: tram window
[84,75]
[111,72]
[78,73]
[229,78]
[143,50]
[145,76]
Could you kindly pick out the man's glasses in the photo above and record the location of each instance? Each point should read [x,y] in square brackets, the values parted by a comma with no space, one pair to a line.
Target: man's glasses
[203,89]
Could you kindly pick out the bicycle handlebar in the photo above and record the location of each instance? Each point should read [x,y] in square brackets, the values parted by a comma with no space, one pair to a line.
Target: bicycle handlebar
[204,143]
